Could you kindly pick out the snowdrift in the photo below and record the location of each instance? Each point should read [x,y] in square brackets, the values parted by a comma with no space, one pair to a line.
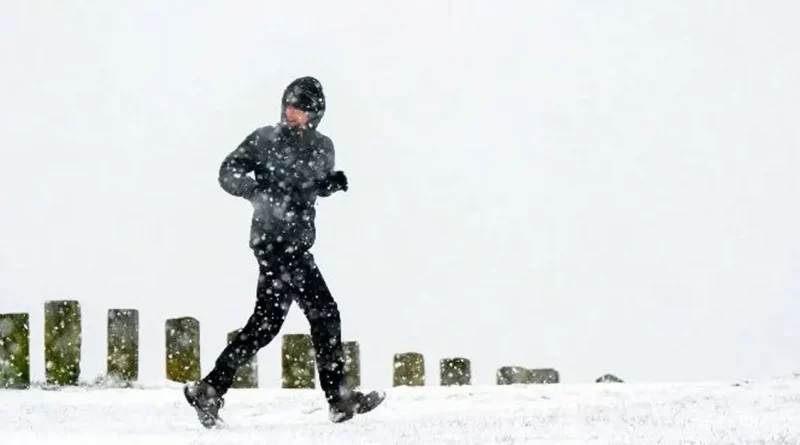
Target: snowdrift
[766,412]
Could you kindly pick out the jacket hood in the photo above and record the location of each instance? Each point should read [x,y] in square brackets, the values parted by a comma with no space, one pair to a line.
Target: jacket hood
[306,94]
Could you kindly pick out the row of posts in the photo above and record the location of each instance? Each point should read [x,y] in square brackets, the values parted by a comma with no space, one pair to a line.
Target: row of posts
[63,346]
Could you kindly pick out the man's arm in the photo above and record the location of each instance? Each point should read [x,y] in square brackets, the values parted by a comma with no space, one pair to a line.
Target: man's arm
[331,181]
[235,167]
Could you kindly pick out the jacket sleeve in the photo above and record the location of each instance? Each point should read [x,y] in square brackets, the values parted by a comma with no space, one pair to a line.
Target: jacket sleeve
[325,188]
[235,167]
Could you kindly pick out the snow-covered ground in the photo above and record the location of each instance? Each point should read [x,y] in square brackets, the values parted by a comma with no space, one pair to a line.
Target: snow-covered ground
[765,412]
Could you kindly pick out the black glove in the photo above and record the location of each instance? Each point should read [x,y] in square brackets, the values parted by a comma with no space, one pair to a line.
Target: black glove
[334,182]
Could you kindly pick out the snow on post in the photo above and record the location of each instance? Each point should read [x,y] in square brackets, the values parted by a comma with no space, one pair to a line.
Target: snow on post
[352,364]
[15,359]
[247,375]
[608,378]
[62,342]
[455,372]
[513,375]
[122,356]
[409,369]
[298,362]
[183,349]
[544,375]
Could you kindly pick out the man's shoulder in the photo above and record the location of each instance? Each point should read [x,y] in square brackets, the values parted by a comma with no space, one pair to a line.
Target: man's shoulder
[266,132]
[260,138]
[323,140]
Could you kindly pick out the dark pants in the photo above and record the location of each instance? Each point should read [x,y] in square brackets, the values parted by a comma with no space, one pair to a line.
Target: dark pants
[283,278]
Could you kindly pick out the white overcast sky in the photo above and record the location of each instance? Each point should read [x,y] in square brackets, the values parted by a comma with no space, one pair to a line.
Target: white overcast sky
[592,186]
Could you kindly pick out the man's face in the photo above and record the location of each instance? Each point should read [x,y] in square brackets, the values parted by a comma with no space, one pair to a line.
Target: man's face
[296,117]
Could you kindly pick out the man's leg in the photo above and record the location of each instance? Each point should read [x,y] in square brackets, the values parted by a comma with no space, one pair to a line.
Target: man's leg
[312,295]
[272,305]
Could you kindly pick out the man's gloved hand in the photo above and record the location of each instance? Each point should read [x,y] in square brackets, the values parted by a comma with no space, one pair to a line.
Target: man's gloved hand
[338,180]
[258,197]
[334,182]
[257,192]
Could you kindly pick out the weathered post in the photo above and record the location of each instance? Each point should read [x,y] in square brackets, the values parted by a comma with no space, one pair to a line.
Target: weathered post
[15,358]
[298,362]
[183,349]
[247,375]
[409,369]
[122,355]
[62,342]
[544,375]
[513,375]
[352,364]
[455,372]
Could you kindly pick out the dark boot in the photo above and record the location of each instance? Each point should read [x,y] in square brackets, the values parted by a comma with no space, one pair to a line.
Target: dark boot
[205,400]
[354,403]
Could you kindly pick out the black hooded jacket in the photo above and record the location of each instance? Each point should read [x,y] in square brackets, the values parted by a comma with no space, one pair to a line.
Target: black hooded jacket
[290,169]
